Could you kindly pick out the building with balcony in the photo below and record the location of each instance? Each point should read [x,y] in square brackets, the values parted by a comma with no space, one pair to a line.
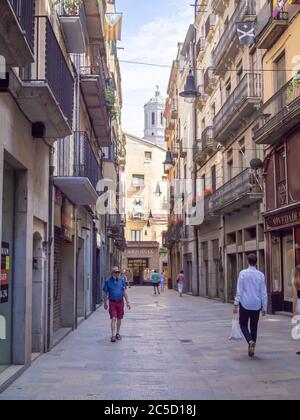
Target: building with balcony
[230,82]
[57,120]
[278,131]
[146,208]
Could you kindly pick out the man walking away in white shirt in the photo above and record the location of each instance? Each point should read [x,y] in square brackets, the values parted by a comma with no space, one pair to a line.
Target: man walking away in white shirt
[251,299]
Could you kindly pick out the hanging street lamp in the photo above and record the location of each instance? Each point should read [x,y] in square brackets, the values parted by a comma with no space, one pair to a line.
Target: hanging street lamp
[190,93]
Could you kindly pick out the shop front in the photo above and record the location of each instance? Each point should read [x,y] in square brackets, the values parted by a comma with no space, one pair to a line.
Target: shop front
[141,259]
[283,242]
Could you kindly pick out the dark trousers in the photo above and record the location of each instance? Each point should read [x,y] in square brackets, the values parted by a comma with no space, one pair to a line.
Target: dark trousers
[245,317]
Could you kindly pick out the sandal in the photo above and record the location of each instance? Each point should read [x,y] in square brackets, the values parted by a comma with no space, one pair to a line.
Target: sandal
[118,337]
[113,339]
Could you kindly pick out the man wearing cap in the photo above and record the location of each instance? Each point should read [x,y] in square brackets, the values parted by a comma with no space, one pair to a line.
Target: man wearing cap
[115,291]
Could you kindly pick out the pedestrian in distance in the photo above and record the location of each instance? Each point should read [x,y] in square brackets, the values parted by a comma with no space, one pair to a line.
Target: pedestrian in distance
[115,291]
[296,294]
[162,282]
[124,276]
[180,282]
[251,299]
[155,282]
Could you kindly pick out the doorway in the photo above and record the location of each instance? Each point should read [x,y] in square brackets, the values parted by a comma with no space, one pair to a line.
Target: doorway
[138,267]
[7,261]
[232,277]
[283,264]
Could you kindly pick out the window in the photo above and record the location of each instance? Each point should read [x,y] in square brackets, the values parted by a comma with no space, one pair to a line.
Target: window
[229,165]
[153,118]
[242,151]
[280,72]
[240,72]
[281,177]
[214,178]
[213,111]
[161,118]
[148,156]
[228,88]
[203,182]
[136,235]
[138,180]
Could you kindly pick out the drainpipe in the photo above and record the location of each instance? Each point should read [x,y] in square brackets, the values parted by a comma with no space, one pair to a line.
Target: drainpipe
[48,285]
[77,140]
[196,238]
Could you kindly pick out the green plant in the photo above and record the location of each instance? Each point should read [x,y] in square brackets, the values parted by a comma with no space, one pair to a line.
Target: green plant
[294,84]
[71,7]
[111,103]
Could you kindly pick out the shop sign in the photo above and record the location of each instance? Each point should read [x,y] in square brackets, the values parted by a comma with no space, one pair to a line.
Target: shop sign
[4,274]
[278,221]
[140,252]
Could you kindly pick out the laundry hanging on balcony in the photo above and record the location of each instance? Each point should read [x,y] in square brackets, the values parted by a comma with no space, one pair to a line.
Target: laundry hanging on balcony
[113,26]
[246,33]
[278,6]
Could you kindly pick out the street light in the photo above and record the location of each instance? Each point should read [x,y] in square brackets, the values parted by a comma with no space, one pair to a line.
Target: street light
[158,192]
[190,92]
[168,163]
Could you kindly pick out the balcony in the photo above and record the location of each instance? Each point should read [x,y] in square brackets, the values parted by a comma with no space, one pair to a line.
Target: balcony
[210,81]
[115,225]
[240,105]
[74,30]
[279,114]
[94,12]
[46,93]
[174,234]
[242,191]
[270,29]
[229,45]
[208,146]
[17,32]
[219,6]
[174,110]
[77,169]
[93,86]
[200,48]
[210,26]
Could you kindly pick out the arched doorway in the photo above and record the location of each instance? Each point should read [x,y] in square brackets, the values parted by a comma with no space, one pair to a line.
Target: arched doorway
[37,293]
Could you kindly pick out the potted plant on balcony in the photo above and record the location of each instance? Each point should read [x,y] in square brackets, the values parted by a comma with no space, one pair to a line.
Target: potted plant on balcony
[208,192]
[72,7]
[294,84]
[111,102]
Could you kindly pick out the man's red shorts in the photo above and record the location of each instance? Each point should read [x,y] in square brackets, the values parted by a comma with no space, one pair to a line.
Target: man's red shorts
[116,309]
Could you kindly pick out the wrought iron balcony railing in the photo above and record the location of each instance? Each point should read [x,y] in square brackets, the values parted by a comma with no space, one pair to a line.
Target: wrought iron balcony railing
[76,158]
[269,29]
[51,68]
[25,11]
[244,187]
[279,114]
[243,8]
[241,103]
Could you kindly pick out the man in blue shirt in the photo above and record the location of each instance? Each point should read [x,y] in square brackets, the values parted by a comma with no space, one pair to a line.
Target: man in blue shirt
[251,299]
[115,290]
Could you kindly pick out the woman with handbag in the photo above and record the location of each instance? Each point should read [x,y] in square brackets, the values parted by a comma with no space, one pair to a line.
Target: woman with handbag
[180,282]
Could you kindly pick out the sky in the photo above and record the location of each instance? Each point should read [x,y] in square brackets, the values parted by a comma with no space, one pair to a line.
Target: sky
[151,32]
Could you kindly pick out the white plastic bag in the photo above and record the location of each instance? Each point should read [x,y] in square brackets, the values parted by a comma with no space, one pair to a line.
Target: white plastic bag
[236,333]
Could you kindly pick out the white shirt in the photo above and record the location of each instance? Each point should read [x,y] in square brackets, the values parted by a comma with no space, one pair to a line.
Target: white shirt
[251,290]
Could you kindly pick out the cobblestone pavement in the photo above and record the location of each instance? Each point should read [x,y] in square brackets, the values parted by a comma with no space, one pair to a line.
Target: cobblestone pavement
[172,348]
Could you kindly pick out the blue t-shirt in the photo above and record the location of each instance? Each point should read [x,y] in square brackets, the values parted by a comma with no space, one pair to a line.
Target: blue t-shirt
[115,288]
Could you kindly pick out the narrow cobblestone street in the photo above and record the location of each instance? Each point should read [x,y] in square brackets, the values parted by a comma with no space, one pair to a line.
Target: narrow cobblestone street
[172,348]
